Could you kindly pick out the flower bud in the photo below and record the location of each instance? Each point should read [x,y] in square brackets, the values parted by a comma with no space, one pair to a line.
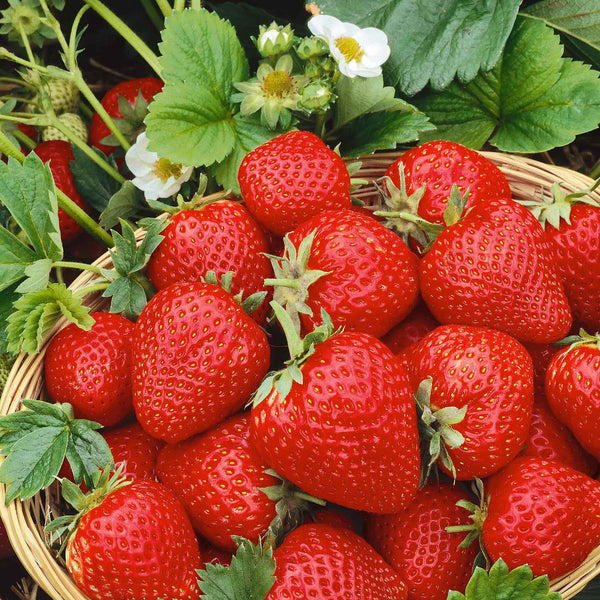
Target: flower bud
[317,95]
[311,47]
[312,70]
[274,39]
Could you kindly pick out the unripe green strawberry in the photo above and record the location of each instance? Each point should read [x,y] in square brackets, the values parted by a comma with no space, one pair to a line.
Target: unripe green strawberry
[64,95]
[70,120]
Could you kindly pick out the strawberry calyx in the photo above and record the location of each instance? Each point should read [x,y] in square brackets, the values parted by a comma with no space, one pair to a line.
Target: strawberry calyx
[478,514]
[250,304]
[300,350]
[583,338]
[436,431]
[293,278]
[103,483]
[131,123]
[558,206]
[292,505]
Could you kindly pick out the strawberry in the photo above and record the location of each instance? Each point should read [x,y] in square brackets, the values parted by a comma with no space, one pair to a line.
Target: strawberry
[412,329]
[59,154]
[416,544]
[133,540]
[213,555]
[197,357]
[489,376]
[314,422]
[352,267]
[541,355]
[321,561]
[220,236]
[6,548]
[573,389]
[550,439]
[91,369]
[335,518]
[436,167]
[572,227]
[542,513]
[493,268]
[291,178]
[71,121]
[130,96]
[218,475]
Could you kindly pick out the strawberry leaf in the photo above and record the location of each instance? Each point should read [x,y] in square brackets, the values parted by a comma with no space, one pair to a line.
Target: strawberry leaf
[127,202]
[35,313]
[127,297]
[36,441]
[533,100]
[28,192]
[502,584]
[15,257]
[7,298]
[37,274]
[432,40]
[249,577]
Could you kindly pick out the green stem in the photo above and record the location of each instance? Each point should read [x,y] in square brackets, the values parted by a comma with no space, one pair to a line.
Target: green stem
[90,289]
[196,4]
[304,496]
[289,283]
[97,106]
[140,278]
[24,139]
[128,34]
[26,44]
[9,149]
[88,151]
[153,14]
[595,172]
[179,5]
[59,275]
[165,7]
[66,264]
[4,53]
[320,124]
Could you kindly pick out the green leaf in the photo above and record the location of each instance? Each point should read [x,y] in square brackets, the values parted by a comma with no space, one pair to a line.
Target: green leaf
[502,584]
[433,40]
[36,313]
[28,191]
[578,22]
[248,134]
[126,203]
[87,451]
[127,296]
[8,297]
[250,575]
[15,257]
[94,184]
[201,49]
[361,95]
[380,131]
[533,99]
[38,274]
[190,125]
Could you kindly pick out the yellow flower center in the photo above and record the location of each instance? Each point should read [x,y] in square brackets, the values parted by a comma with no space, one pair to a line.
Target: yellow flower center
[349,47]
[164,168]
[278,84]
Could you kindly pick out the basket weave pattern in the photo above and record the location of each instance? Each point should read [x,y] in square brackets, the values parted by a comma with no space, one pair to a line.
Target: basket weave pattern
[25,521]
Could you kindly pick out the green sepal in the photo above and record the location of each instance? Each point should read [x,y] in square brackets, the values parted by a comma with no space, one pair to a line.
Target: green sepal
[36,442]
[249,305]
[583,338]
[502,584]
[477,514]
[35,313]
[131,122]
[455,210]
[250,575]
[127,202]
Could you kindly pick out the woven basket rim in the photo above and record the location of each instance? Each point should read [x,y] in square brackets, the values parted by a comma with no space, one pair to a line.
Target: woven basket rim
[527,177]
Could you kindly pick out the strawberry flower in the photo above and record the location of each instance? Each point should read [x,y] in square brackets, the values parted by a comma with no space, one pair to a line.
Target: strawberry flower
[358,52]
[156,177]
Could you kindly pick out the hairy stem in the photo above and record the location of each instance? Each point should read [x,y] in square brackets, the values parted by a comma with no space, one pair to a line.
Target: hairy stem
[66,264]
[595,172]
[24,139]
[165,7]
[179,5]
[90,289]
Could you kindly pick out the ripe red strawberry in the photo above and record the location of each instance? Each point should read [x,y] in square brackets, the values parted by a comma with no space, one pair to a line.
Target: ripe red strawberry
[220,236]
[137,93]
[213,555]
[541,355]
[314,422]
[321,561]
[438,166]
[335,518]
[197,358]
[217,476]
[489,374]
[573,389]
[493,268]
[572,227]
[6,548]
[416,544]
[291,178]
[351,266]
[544,514]
[550,439]
[59,154]
[91,369]
[412,329]
[137,543]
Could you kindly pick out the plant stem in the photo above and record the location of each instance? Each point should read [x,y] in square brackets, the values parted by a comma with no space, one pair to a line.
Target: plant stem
[179,5]
[4,53]
[9,149]
[26,44]
[196,4]
[165,7]
[128,34]
[320,124]
[66,264]
[24,139]
[97,287]
[595,172]
[153,14]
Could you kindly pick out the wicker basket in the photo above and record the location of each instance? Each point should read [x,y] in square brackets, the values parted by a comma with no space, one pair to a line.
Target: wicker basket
[25,520]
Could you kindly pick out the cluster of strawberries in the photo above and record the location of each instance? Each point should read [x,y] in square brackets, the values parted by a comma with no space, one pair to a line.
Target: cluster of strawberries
[402,359]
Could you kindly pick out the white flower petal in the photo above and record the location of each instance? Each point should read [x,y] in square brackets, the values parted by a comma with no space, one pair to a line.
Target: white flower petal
[284,63]
[263,70]
[322,25]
